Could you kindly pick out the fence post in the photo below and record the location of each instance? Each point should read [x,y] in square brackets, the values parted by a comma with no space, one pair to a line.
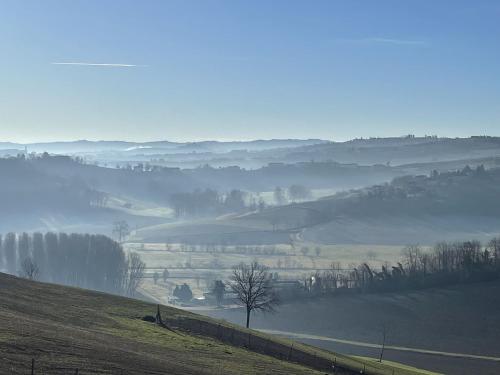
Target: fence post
[32,366]
[76,371]
[290,352]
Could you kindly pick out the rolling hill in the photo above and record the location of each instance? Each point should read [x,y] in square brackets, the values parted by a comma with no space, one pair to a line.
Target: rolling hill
[457,205]
[397,150]
[64,329]
[368,151]
[41,191]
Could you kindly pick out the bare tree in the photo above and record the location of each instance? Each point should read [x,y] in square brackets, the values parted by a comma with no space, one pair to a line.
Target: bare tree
[29,269]
[218,290]
[279,196]
[494,248]
[121,229]
[165,274]
[298,192]
[135,273]
[252,285]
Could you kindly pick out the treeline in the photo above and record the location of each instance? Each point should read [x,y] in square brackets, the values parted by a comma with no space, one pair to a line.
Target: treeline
[445,264]
[211,202]
[294,193]
[82,260]
[225,249]
[208,202]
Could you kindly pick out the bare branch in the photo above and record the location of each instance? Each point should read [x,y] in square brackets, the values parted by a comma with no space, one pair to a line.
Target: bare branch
[29,269]
[252,285]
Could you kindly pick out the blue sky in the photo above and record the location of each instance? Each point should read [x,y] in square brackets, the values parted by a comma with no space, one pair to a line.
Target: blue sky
[248,69]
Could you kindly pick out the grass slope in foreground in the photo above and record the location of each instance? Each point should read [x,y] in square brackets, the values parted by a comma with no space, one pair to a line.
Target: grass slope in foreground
[66,328]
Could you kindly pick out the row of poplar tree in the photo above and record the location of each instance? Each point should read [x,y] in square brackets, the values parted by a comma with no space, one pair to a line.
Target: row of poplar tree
[88,261]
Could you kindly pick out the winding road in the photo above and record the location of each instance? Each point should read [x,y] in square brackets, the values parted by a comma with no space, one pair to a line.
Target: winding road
[295,335]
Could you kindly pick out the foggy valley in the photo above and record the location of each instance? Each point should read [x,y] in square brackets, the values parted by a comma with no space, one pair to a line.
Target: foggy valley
[239,187]
[334,236]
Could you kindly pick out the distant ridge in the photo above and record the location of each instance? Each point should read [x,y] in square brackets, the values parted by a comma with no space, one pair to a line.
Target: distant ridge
[79,146]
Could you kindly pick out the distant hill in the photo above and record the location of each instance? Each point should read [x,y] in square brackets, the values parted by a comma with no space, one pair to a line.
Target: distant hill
[49,185]
[397,150]
[85,146]
[64,329]
[56,184]
[412,209]
[421,209]
[393,151]
[52,193]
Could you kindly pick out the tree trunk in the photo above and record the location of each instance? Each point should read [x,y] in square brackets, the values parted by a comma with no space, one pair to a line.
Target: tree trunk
[383,345]
[248,317]
[158,316]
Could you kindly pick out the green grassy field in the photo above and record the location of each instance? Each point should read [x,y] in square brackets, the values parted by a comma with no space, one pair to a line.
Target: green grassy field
[64,329]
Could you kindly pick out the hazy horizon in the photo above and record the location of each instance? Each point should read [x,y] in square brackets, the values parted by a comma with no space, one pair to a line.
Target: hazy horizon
[180,140]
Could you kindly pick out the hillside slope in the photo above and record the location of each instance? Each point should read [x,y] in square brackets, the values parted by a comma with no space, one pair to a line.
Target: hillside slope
[64,329]
[456,319]
[458,205]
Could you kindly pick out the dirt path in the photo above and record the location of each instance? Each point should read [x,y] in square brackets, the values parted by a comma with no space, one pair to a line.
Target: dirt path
[296,335]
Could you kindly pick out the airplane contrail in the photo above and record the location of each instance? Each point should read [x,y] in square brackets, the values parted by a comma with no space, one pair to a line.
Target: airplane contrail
[99,64]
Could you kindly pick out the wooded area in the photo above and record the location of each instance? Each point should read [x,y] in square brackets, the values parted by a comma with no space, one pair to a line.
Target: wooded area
[89,261]
[446,264]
